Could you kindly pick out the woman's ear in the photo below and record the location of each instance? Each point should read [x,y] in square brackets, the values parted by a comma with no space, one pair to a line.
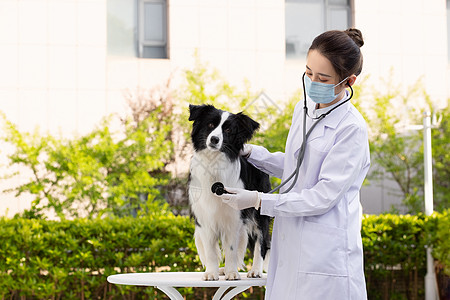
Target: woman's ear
[351,80]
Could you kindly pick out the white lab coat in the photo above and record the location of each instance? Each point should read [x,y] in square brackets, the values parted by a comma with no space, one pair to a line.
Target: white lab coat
[316,242]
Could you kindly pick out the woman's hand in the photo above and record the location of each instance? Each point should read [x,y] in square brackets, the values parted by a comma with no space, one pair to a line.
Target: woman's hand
[246,151]
[241,199]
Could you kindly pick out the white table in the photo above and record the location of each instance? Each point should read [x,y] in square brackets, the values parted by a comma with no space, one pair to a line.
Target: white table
[168,281]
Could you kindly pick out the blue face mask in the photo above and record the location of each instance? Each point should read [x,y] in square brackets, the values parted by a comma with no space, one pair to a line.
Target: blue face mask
[321,92]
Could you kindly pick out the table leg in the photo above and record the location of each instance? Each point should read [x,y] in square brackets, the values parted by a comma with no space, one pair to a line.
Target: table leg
[171,292]
[174,294]
[234,292]
[220,291]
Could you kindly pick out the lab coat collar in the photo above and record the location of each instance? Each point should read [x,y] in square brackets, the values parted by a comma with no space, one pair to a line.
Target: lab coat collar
[333,119]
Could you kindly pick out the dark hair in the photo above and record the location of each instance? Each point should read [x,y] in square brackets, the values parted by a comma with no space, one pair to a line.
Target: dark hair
[341,48]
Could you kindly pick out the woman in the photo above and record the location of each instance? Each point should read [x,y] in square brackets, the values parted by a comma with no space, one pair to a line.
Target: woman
[316,242]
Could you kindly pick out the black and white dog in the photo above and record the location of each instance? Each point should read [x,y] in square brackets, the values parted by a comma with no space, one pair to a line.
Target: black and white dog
[218,136]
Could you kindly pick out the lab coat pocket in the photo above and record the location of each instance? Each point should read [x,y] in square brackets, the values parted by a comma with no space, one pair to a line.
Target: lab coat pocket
[323,250]
[319,287]
[321,141]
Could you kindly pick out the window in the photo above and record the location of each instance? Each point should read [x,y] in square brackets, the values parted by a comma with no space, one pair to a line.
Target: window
[305,19]
[137,28]
[152,29]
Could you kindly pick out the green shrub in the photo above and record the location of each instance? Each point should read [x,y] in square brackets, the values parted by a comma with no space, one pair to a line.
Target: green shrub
[43,259]
[395,252]
[441,240]
[394,255]
[103,172]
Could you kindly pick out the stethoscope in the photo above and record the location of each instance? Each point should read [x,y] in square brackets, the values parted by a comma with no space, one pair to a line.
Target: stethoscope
[218,187]
[305,137]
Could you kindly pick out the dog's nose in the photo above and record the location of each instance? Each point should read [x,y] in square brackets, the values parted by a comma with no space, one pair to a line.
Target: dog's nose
[214,140]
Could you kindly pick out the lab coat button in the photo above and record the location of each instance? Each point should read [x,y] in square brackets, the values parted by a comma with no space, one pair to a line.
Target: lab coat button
[282,237]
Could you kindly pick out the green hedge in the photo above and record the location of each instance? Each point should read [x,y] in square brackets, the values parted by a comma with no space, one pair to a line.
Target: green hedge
[394,256]
[42,259]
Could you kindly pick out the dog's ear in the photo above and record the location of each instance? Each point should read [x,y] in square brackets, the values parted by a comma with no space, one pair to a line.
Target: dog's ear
[194,112]
[197,110]
[247,126]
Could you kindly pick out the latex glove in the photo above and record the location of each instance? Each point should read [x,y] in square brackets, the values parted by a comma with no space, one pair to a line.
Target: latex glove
[246,151]
[241,199]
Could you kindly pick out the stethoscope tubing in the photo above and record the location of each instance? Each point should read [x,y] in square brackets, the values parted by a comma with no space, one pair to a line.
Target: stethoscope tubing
[306,135]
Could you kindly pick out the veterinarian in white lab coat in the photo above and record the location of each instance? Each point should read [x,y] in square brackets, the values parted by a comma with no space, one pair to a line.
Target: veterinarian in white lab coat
[316,242]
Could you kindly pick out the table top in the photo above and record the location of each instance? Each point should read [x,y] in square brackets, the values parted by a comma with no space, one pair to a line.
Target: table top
[182,279]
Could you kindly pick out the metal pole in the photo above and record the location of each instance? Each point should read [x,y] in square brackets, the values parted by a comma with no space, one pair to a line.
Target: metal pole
[428,188]
[430,278]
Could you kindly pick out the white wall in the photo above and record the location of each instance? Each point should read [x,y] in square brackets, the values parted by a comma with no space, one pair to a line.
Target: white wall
[53,63]
[408,36]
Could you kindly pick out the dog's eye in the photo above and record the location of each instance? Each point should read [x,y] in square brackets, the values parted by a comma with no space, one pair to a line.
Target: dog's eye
[227,130]
[211,125]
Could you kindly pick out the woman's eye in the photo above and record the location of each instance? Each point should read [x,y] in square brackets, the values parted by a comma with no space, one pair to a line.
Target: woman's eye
[211,125]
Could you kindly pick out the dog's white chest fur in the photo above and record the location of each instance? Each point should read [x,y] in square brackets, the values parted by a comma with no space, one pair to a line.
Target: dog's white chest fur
[208,167]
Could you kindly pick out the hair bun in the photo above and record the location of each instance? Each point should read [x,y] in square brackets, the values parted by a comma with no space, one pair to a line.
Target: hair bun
[356,36]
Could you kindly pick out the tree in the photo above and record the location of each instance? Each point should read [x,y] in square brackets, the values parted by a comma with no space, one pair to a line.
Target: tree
[441,159]
[397,152]
[206,86]
[102,172]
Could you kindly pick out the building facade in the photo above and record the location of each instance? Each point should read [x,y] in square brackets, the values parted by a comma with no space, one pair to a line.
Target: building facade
[64,64]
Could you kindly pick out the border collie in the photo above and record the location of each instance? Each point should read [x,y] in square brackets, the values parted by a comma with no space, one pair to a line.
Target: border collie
[218,136]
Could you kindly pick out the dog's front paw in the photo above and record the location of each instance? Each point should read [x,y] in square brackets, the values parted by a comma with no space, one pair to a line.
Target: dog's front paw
[254,274]
[210,276]
[233,275]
